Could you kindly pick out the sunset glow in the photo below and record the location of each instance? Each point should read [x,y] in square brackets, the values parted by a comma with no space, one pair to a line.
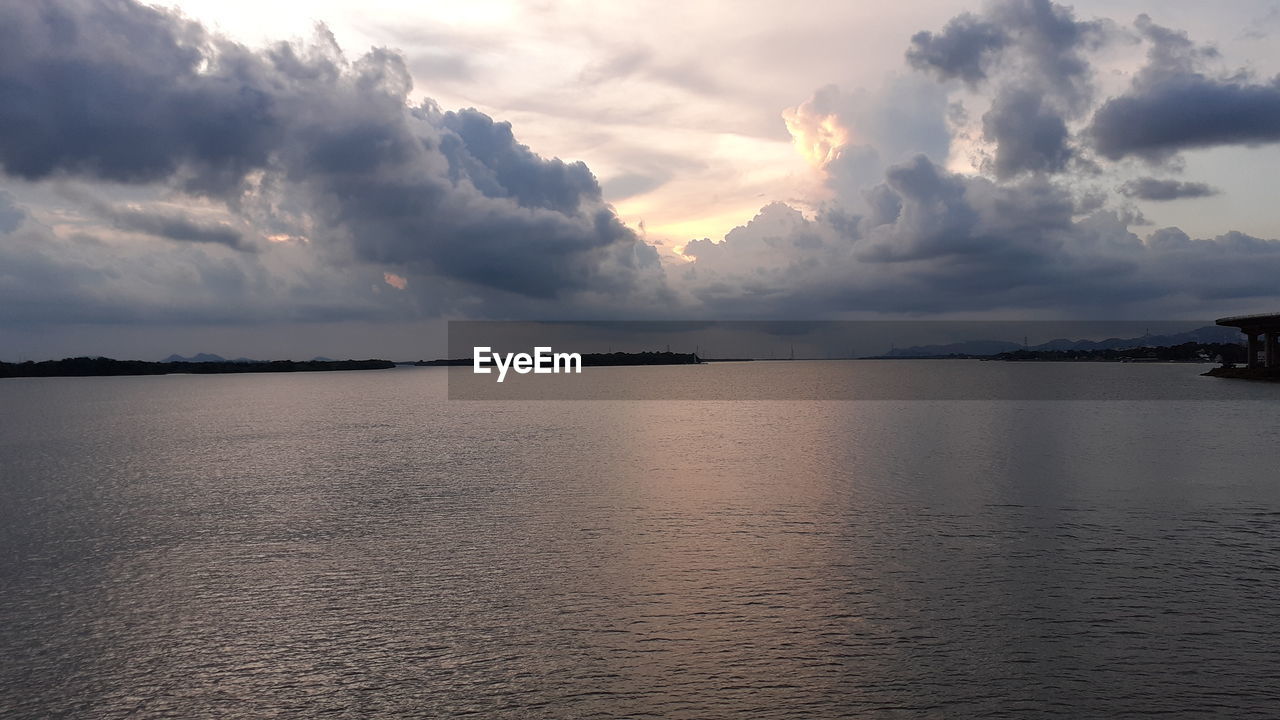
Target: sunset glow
[819,138]
[565,359]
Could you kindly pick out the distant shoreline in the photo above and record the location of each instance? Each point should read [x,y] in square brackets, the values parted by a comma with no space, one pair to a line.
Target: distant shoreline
[107,367]
[617,359]
[1188,352]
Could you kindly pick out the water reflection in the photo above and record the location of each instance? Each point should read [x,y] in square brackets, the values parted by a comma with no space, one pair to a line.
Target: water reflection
[355,543]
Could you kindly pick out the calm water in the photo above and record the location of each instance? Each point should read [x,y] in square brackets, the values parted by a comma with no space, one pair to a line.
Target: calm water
[356,545]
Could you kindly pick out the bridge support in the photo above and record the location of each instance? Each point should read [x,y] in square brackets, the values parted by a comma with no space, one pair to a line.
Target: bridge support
[1262,336]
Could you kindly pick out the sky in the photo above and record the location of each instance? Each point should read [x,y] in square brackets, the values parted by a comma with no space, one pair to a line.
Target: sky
[276,179]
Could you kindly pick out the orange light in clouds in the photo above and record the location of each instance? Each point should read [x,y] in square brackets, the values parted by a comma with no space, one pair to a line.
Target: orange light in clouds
[396,281]
[819,138]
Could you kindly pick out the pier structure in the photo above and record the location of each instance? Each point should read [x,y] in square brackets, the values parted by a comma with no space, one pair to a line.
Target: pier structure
[1262,333]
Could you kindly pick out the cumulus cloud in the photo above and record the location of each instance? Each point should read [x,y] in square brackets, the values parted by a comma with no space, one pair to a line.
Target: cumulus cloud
[1173,104]
[123,92]
[307,143]
[1030,135]
[1149,188]
[1034,54]
[455,194]
[853,136]
[396,209]
[963,49]
[816,128]
[1023,238]
[945,242]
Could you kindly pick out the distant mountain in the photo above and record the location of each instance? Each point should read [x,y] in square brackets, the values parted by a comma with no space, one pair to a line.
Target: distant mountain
[200,357]
[1208,334]
[210,358]
[321,358]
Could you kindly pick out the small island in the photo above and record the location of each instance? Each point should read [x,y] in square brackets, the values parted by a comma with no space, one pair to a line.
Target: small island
[1245,373]
[101,366]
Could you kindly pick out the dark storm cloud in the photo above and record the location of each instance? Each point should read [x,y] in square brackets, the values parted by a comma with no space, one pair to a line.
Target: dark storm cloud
[961,50]
[454,194]
[300,142]
[885,205]
[942,242]
[1033,53]
[113,90]
[486,153]
[931,241]
[1189,112]
[1149,188]
[1029,134]
[1005,230]
[1052,43]
[1173,105]
[167,222]
[176,226]
[119,91]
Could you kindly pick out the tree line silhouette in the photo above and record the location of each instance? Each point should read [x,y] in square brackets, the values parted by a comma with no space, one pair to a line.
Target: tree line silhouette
[94,366]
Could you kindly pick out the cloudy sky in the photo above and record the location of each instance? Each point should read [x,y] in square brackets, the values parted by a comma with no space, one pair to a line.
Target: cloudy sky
[251,178]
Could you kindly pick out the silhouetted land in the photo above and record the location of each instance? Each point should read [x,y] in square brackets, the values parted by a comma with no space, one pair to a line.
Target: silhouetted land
[949,356]
[85,367]
[598,359]
[1186,352]
[1245,373]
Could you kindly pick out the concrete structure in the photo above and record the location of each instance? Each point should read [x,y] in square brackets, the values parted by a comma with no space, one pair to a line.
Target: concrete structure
[1266,327]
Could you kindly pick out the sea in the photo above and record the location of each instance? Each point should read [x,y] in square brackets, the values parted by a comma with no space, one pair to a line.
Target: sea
[359,545]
